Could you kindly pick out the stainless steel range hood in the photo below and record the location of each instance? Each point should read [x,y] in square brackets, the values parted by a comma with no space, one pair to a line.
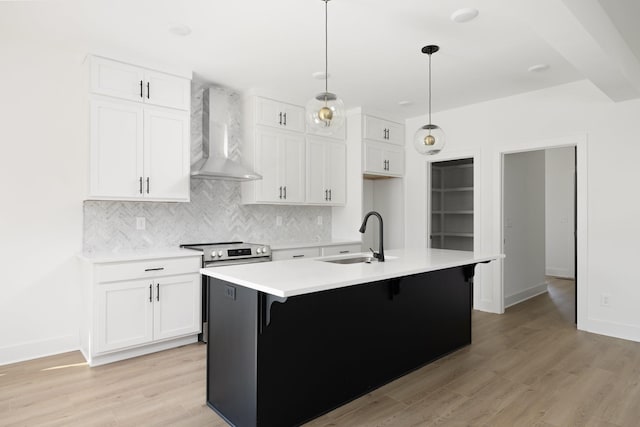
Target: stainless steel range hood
[216,162]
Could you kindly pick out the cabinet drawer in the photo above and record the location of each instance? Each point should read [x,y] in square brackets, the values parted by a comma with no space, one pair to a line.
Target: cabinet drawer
[341,250]
[147,268]
[295,253]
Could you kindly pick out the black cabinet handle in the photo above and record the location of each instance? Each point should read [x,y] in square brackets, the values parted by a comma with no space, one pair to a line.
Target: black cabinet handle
[281,192]
[147,185]
[285,119]
[148,90]
[344,252]
[154,269]
[140,185]
[329,195]
[298,256]
[285,192]
[158,291]
[281,118]
[141,96]
[326,195]
[151,293]
[387,164]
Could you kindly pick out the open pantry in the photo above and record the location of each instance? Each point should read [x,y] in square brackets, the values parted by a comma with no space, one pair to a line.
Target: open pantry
[452,205]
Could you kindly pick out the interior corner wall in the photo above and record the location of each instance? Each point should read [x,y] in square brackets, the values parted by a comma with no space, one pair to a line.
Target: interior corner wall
[42,181]
[611,231]
[559,206]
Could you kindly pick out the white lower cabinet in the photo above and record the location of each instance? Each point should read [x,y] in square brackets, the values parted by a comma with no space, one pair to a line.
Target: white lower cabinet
[298,253]
[340,249]
[139,307]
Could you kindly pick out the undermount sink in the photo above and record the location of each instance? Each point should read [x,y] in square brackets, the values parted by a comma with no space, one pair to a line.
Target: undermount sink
[352,260]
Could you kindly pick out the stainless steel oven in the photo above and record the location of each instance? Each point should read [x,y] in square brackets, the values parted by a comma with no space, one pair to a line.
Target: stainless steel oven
[223,254]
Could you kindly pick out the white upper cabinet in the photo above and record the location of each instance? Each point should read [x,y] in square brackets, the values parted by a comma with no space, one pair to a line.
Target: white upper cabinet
[383,130]
[383,159]
[280,161]
[120,80]
[326,171]
[280,115]
[138,151]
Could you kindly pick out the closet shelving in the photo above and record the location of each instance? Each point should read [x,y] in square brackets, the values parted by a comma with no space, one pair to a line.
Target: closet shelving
[452,204]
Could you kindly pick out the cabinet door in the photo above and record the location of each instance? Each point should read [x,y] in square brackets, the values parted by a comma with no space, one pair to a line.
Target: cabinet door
[293,163]
[177,306]
[279,114]
[166,90]
[116,150]
[268,153]
[124,315]
[166,154]
[341,249]
[317,191]
[116,79]
[395,133]
[374,159]
[336,172]
[395,160]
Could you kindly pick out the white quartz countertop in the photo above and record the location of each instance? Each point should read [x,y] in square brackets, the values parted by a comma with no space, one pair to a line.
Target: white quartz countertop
[288,278]
[299,245]
[136,255]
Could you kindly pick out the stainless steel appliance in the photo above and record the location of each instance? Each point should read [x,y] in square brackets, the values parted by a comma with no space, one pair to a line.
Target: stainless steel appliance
[222,254]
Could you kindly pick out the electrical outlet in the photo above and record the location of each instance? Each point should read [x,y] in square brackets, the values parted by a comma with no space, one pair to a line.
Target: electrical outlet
[319,219]
[230,292]
[141,223]
[605,300]
[278,220]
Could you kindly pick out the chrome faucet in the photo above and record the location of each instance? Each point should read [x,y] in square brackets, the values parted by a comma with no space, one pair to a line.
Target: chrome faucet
[380,254]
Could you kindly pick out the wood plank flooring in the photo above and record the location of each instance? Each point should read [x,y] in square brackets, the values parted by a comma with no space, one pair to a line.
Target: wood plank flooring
[528,367]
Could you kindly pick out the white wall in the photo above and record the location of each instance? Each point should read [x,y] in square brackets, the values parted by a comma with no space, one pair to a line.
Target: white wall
[559,196]
[42,178]
[524,226]
[610,208]
[386,197]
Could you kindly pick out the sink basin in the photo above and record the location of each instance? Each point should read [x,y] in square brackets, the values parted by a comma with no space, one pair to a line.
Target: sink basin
[352,260]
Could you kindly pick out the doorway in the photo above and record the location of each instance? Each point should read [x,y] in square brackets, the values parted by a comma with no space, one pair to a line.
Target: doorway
[539,201]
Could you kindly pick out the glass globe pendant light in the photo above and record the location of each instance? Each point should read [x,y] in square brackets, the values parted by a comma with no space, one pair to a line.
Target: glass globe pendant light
[325,112]
[430,138]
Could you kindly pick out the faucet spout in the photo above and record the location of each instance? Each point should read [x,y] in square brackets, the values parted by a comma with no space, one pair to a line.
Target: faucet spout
[380,254]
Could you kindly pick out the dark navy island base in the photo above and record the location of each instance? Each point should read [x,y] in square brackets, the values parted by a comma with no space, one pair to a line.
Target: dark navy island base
[283,361]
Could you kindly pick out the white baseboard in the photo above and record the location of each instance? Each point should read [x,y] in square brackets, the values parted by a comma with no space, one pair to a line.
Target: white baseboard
[36,349]
[612,329]
[563,273]
[529,293]
[138,351]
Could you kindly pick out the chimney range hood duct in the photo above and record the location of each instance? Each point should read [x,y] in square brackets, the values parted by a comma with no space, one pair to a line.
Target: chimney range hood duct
[216,162]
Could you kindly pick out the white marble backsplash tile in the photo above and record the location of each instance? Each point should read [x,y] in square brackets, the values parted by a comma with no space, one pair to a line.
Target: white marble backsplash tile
[215,213]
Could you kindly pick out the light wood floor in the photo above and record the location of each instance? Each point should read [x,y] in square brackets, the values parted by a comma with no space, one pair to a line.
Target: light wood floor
[529,366]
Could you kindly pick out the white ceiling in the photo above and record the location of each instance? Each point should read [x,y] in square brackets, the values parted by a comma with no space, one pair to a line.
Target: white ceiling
[374,45]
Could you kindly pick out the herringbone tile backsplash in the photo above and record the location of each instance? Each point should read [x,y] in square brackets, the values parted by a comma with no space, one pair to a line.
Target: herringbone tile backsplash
[215,213]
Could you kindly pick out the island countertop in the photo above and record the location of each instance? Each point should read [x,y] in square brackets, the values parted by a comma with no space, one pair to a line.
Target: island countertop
[289,278]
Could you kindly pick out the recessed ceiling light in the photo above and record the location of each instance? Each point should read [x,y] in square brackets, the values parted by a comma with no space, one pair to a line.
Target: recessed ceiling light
[464,15]
[179,30]
[403,103]
[320,75]
[538,68]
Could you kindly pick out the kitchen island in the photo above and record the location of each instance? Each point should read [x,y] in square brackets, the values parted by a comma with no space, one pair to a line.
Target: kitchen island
[291,340]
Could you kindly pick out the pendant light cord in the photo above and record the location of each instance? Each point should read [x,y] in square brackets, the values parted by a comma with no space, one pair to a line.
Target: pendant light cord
[429,89]
[326,48]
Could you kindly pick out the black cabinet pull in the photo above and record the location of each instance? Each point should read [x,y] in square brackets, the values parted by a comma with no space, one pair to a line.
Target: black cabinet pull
[344,252]
[140,185]
[387,164]
[326,195]
[147,185]
[281,192]
[298,256]
[148,90]
[285,119]
[158,291]
[329,194]
[141,96]
[151,293]
[281,118]
[154,269]
[285,192]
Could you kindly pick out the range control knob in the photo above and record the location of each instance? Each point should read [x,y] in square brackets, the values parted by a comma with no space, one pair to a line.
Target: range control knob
[214,254]
[219,253]
[259,250]
[264,250]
